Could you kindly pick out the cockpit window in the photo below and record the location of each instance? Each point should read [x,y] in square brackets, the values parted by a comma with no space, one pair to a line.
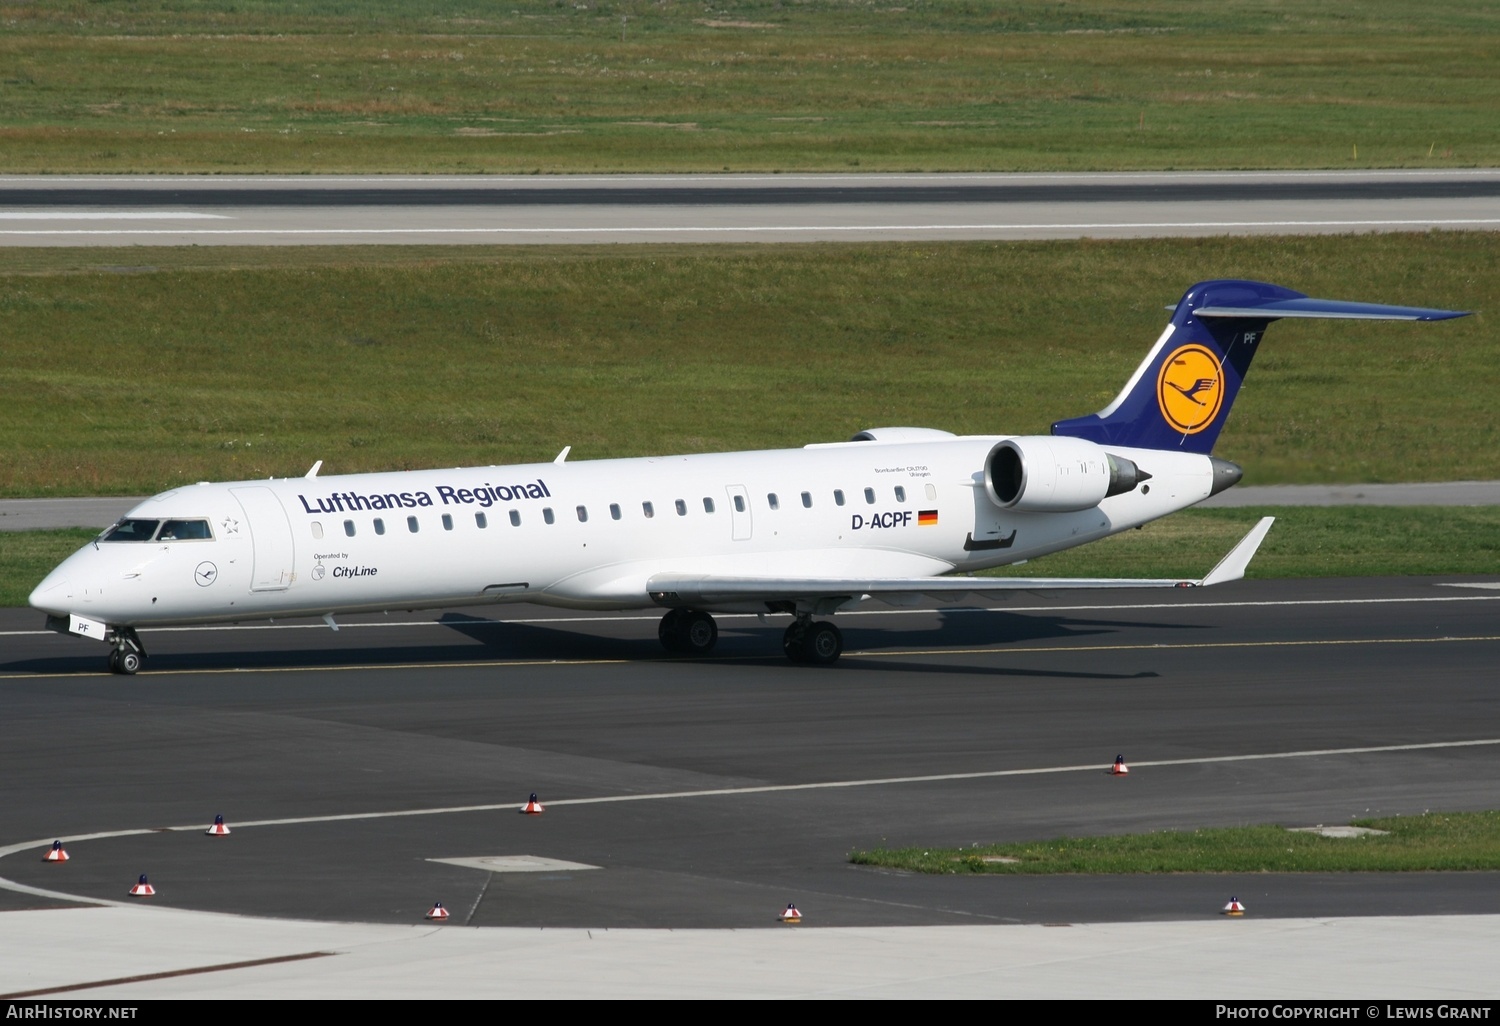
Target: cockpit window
[129,530]
[184,530]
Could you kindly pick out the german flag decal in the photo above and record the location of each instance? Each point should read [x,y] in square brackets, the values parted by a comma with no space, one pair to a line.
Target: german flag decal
[927,518]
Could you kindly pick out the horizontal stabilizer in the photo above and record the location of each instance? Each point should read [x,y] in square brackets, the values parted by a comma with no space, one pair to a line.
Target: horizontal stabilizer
[707,592]
[1329,308]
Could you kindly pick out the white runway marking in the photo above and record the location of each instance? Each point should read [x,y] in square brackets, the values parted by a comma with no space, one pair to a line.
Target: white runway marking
[108,215]
[1465,222]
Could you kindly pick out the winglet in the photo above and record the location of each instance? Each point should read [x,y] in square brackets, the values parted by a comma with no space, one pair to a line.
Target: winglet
[1232,567]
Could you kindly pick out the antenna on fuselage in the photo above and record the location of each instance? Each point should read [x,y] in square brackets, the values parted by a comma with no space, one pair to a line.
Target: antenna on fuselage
[564,454]
[314,471]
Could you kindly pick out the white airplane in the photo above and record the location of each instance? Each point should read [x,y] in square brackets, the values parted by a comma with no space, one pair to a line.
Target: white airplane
[886,516]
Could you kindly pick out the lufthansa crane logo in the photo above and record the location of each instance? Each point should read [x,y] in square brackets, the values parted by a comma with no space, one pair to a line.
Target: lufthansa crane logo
[1190,388]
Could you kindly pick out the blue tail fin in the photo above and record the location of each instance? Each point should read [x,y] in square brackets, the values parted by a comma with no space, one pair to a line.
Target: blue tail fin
[1180,395]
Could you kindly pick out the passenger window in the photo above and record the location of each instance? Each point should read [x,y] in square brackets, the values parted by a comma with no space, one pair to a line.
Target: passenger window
[900,494]
[515,518]
[317,529]
[772,501]
[681,508]
[739,504]
[481,521]
[614,511]
[349,528]
[931,492]
[648,509]
[708,504]
[807,500]
[583,515]
[379,526]
[838,496]
[447,521]
[411,524]
[547,515]
[869,496]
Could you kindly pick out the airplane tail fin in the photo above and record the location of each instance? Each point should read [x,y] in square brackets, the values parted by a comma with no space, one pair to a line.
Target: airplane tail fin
[1180,395]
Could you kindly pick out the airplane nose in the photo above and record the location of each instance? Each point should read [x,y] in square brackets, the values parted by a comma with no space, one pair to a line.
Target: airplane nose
[51,596]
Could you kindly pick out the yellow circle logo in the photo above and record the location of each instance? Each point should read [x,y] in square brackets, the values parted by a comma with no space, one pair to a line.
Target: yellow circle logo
[1190,388]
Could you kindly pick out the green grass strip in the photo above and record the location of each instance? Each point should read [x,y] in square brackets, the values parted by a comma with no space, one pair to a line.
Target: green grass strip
[1432,841]
[236,86]
[126,372]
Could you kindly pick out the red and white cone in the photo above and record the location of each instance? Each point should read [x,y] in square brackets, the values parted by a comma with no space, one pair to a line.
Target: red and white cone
[437,911]
[1234,908]
[791,915]
[1119,769]
[533,807]
[218,829]
[55,853]
[142,889]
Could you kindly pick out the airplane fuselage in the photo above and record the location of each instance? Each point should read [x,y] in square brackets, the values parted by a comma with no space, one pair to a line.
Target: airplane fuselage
[588,534]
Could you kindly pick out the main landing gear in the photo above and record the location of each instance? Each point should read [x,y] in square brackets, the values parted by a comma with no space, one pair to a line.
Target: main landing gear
[693,632]
[688,632]
[127,655]
[817,643]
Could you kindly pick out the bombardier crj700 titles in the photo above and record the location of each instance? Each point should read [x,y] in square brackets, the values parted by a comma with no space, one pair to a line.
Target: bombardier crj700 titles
[807,532]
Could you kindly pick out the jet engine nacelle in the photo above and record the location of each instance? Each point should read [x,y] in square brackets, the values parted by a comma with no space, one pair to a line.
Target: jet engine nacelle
[1052,474]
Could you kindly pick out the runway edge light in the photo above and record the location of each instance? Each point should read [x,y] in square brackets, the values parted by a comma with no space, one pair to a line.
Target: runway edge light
[218,829]
[143,889]
[1119,769]
[1234,908]
[532,806]
[791,915]
[56,853]
[437,912]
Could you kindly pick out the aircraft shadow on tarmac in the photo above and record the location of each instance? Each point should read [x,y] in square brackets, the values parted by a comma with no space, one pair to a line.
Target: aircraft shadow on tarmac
[503,641]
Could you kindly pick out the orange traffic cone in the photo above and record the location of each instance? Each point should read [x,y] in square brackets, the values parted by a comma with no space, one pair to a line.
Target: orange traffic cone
[218,829]
[1119,769]
[1234,908]
[791,915]
[142,889]
[437,911]
[533,807]
[55,853]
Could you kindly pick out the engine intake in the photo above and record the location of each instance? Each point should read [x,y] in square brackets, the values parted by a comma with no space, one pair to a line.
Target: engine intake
[1051,474]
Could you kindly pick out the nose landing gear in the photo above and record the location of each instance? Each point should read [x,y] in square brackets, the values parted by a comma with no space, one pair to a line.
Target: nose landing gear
[127,655]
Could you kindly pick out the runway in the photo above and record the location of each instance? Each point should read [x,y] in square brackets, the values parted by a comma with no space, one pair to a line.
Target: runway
[301,210]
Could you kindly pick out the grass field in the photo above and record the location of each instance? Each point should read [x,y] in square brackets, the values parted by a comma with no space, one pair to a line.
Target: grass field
[1437,841]
[671,85]
[129,372]
[1344,541]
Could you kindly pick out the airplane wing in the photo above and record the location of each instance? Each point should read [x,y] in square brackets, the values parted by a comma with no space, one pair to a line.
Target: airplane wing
[691,590]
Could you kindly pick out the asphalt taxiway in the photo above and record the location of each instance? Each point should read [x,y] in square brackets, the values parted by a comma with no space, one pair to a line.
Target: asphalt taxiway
[127,210]
[711,793]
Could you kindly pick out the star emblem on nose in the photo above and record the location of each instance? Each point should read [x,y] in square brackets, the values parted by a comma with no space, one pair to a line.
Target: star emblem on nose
[231,525]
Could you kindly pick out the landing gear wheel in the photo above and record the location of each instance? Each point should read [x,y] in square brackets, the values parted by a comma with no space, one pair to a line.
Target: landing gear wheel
[688,632]
[670,629]
[129,662]
[817,644]
[823,644]
[791,641]
[114,661]
[127,656]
